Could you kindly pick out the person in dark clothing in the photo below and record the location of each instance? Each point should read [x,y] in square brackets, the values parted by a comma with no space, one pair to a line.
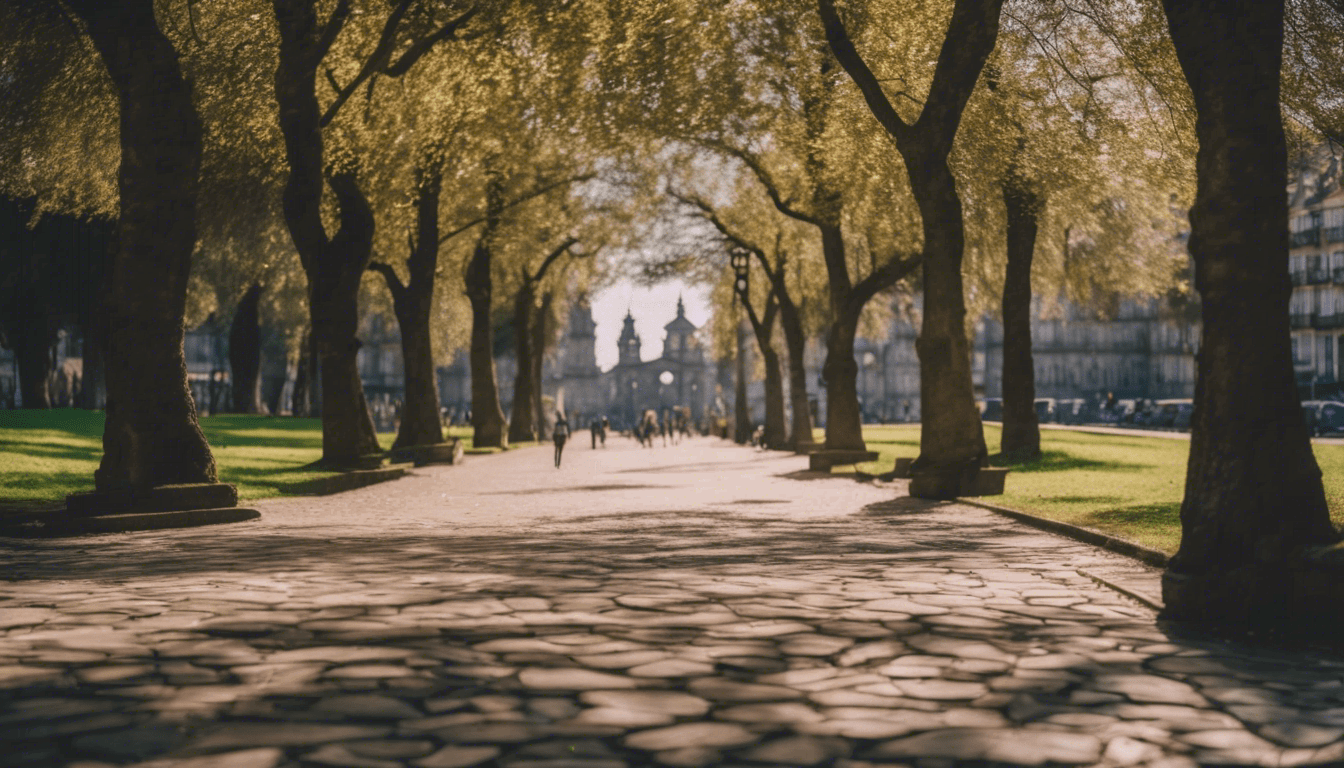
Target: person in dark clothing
[595,429]
[602,435]
[560,434]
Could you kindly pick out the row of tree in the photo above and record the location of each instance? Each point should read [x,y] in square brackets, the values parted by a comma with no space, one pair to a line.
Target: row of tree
[845,147]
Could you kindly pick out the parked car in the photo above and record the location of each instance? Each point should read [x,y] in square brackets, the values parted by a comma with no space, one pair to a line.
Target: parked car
[992,409]
[1169,410]
[1184,415]
[1323,416]
[1145,412]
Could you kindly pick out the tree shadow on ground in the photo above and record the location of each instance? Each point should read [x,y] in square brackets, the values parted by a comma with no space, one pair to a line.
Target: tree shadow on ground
[1062,461]
[572,489]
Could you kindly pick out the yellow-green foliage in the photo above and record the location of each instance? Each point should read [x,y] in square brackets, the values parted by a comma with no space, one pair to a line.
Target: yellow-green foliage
[1126,486]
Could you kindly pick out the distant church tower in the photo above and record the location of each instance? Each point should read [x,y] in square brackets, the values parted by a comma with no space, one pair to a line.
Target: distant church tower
[580,349]
[629,342]
[680,333]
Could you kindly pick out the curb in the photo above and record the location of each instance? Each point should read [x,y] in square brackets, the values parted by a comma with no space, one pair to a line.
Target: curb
[61,527]
[1151,602]
[346,481]
[1086,535]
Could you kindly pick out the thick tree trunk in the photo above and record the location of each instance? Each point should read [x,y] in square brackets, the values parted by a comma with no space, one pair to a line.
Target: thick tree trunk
[522,425]
[741,412]
[305,374]
[540,334]
[413,304]
[795,342]
[420,422]
[951,436]
[775,435]
[1021,430]
[334,265]
[245,353]
[844,422]
[151,436]
[1254,501]
[487,416]
[32,352]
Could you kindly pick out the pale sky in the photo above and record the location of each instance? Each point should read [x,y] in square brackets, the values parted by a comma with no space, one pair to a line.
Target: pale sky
[652,308]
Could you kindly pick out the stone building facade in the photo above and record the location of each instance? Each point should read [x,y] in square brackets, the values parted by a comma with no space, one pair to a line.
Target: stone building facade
[1316,266]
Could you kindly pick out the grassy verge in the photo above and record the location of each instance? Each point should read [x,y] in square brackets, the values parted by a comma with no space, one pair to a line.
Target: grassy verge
[45,455]
[1126,486]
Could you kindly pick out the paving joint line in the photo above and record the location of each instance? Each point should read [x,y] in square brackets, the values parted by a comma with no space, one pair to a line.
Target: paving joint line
[1112,543]
[1133,594]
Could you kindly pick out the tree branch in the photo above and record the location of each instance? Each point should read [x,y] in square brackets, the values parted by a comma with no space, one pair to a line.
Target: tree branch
[538,192]
[551,258]
[394,284]
[844,51]
[421,47]
[381,52]
[882,278]
[762,175]
[335,23]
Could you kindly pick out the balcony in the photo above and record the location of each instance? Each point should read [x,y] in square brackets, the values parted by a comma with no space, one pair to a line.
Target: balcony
[1300,320]
[1318,276]
[1306,237]
[1335,320]
[1333,234]
[1339,275]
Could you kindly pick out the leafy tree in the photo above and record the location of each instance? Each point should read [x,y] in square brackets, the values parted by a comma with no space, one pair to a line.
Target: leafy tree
[1247,519]
[335,262]
[151,435]
[951,439]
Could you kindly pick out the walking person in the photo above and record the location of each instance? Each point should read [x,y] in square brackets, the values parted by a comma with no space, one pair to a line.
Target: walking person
[560,434]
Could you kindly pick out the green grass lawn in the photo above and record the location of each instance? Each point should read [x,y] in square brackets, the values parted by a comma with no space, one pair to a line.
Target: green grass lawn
[45,455]
[1126,486]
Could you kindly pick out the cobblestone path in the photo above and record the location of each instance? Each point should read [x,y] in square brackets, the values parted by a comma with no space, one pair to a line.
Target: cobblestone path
[686,606]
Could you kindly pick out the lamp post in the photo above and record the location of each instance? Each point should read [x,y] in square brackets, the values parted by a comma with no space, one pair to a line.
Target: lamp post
[740,258]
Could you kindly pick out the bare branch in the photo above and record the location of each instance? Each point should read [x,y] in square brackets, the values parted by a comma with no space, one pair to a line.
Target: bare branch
[335,22]
[882,278]
[538,192]
[767,181]
[389,274]
[551,257]
[422,46]
[844,51]
[381,52]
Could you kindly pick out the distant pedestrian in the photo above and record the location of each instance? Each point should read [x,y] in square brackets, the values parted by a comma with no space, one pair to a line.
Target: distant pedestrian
[560,434]
[595,428]
[603,434]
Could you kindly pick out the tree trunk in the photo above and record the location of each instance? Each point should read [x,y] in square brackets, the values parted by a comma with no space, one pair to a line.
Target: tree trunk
[951,437]
[334,265]
[1021,430]
[775,436]
[795,341]
[741,415]
[844,424]
[245,353]
[32,352]
[522,426]
[1254,501]
[151,436]
[540,334]
[487,416]
[305,373]
[413,304]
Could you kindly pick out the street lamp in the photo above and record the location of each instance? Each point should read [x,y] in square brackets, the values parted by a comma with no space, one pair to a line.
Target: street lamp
[740,258]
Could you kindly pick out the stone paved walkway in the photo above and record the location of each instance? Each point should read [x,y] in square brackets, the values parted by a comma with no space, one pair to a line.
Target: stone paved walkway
[694,605]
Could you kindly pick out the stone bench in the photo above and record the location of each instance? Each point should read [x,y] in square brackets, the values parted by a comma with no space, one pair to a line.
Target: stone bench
[448,452]
[822,461]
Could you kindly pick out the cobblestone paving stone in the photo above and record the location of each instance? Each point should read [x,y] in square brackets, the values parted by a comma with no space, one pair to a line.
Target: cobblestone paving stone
[688,606]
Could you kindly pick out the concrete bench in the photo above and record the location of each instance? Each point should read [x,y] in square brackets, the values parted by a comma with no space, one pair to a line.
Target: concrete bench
[822,461]
[449,452]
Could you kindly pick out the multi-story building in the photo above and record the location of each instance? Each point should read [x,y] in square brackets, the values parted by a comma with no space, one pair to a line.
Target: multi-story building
[1316,264]
[1142,348]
